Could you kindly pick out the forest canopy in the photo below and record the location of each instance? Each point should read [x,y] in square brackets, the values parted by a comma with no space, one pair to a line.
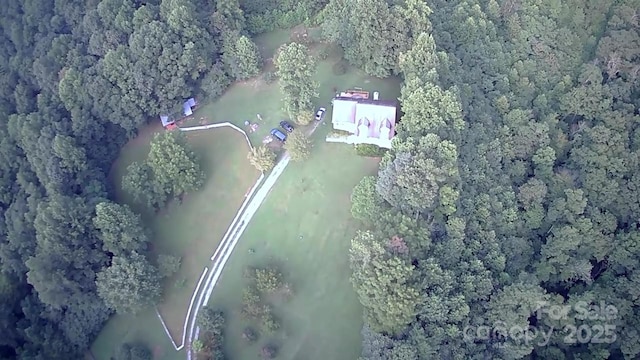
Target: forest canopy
[512,185]
[513,180]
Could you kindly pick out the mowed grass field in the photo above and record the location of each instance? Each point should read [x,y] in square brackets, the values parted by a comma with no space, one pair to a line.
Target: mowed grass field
[304,227]
[311,200]
[191,230]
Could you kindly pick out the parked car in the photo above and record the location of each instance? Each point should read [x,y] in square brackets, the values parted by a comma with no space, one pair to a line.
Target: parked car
[320,113]
[286,126]
[279,135]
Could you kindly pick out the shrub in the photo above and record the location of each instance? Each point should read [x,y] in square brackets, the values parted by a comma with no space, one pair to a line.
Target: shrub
[197,345]
[370,150]
[268,280]
[251,306]
[180,283]
[211,321]
[268,351]
[168,265]
[340,68]
[250,335]
[250,297]
[262,158]
[133,352]
[269,324]
[338,133]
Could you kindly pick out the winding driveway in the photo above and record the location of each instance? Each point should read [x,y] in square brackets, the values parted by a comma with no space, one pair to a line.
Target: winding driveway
[228,243]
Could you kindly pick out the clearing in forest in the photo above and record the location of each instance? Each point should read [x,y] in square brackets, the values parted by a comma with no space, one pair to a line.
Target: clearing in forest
[191,230]
[304,228]
[312,199]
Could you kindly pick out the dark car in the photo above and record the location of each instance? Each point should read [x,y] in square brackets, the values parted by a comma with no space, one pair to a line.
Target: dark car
[287,126]
[279,135]
[320,113]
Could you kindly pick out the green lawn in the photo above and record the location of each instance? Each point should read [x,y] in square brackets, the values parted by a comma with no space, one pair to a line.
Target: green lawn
[311,199]
[191,230]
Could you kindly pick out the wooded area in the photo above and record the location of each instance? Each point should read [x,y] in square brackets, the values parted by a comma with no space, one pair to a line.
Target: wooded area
[513,179]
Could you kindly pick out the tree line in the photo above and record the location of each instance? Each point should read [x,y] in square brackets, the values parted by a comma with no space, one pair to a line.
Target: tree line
[512,182]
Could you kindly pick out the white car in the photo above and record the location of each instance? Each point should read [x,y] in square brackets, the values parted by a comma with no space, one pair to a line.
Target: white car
[320,113]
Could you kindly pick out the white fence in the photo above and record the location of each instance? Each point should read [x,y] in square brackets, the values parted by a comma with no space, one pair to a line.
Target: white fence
[218,125]
[189,318]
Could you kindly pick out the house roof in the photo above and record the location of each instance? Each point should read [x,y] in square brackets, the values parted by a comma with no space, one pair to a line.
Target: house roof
[366,118]
[344,110]
[191,102]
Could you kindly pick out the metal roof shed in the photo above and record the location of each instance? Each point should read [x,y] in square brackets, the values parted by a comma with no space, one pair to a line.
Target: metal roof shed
[166,120]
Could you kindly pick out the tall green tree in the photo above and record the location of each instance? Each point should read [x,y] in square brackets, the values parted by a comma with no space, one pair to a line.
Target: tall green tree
[120,229]
[139,181]
[430,110]
[298,145]
[174,164]
[296,70]
[366,203]
[243,58]
[262,157]
[374,33]
[414,177]
[383,284]
[130,284]
[66,241]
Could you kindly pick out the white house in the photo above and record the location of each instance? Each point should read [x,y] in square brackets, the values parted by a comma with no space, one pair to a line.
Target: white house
[368,121]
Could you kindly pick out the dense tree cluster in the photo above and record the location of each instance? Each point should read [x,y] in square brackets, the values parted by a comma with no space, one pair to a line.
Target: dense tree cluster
[265,285]
[512,181]
[211,338]
[296,69]
[374,33]
[77,78]
[170,170]
[262,16]
[130,282]
[134,352]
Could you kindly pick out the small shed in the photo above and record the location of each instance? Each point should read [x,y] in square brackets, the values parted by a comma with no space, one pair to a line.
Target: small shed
[166,121]
[187,110]
[188,106]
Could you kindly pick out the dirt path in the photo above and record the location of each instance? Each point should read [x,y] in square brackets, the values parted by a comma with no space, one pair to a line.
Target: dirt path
[224,250]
